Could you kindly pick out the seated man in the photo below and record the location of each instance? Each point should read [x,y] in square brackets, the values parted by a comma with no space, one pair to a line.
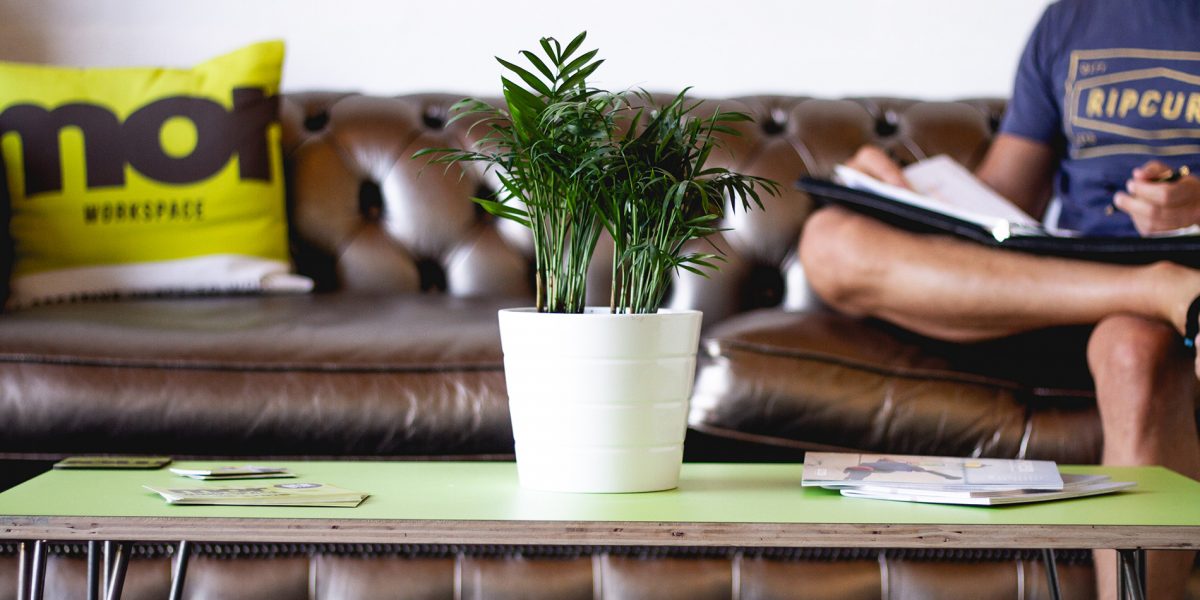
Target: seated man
[1106,103]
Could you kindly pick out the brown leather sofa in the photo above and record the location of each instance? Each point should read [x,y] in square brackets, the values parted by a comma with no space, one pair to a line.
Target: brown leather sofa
[397,356]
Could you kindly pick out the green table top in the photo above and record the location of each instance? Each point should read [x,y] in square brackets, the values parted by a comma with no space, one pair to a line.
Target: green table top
[464,492]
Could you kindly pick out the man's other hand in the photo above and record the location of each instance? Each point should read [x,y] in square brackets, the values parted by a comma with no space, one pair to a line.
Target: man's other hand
[873,161]
[1157,206]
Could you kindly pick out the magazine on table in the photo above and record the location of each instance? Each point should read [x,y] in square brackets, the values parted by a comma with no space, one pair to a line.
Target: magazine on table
[843,469]
[1074,486]
[949,480]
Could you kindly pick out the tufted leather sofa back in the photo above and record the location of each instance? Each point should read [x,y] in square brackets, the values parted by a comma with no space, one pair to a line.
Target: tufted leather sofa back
[367,217]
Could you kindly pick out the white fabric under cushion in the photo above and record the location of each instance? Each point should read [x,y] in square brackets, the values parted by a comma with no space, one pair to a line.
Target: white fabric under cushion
[219,273]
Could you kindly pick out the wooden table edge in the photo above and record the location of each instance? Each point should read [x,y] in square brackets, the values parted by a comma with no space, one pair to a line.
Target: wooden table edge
[616,533]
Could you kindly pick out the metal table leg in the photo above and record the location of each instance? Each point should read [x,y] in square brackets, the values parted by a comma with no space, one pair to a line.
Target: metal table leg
[38,586]
[1051,573]
[1140,555]
[23,571]
[106,567]
[117,581]
[1131,582]
[181,560]
[93,571]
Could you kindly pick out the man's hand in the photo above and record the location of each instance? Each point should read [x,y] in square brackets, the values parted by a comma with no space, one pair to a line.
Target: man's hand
[873,161]
[1159,206]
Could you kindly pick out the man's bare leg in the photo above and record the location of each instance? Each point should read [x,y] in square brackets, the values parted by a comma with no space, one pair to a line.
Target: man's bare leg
[1145,390]
[960,291]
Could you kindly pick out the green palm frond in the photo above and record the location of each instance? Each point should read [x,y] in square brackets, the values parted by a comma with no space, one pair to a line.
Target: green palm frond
[574,161]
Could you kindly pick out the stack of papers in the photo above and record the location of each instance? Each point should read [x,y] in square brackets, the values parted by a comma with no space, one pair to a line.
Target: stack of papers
[946,480]
[234,472]
[279,494]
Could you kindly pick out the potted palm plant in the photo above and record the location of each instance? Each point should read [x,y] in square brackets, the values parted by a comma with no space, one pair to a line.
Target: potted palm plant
[598,395]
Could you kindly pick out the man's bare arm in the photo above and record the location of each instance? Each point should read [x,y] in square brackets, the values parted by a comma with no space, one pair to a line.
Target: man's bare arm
[1021,170]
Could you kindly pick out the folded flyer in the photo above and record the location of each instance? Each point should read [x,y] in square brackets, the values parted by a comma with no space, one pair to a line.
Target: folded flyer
[234,472]
[300,493]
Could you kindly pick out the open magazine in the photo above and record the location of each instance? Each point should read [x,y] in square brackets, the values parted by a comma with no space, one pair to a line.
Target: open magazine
[948,199]
[942,185]
[948,480]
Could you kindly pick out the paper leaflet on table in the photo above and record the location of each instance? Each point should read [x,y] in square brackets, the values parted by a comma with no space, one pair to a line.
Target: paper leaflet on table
[233,472]
[300,493]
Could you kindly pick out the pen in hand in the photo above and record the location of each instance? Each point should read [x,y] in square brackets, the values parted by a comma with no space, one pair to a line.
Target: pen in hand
[1168,176]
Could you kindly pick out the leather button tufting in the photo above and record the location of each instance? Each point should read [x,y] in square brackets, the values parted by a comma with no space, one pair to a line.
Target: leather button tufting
[317,121]
[763,288]
[433,276]
[485,192]
[775,123]
[886,126]
[434,118]
[370,200]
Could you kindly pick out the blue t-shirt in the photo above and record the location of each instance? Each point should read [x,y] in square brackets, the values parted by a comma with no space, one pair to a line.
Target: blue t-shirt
[1110,85]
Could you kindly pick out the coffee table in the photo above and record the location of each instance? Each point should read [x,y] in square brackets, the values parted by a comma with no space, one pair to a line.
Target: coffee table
[728,505]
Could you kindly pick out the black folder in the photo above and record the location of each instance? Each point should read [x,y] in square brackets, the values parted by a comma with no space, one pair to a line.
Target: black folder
[1133,250]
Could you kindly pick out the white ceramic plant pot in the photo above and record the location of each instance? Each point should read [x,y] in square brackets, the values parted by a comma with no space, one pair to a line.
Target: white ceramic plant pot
[599,401]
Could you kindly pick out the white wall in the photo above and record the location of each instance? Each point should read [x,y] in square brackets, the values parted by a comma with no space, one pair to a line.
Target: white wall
[932,49]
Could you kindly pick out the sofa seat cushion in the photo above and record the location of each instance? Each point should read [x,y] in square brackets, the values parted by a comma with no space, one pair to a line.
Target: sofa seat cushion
[329,374]
[818,380]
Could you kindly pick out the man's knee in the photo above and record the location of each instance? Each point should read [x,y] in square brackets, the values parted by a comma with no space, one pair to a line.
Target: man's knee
[834,250]
[1131,346]
[1142,375]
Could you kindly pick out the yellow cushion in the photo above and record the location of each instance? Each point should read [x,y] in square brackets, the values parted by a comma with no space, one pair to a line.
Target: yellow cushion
[145,180]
